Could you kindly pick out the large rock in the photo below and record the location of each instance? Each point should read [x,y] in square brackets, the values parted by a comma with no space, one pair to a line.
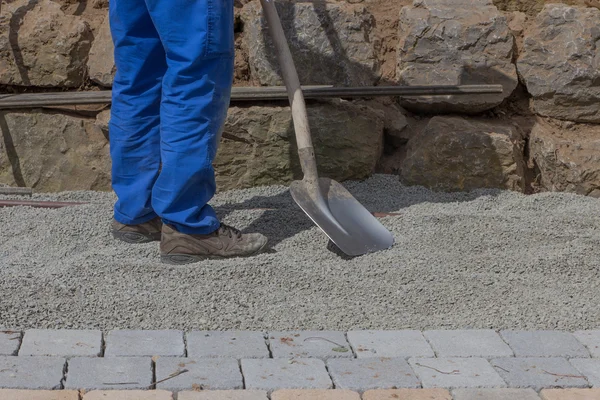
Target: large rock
[53,152]
[259,145]
[453,153]
[567,160]
[41,46]
[101,62]
[458,42]
[332,43]
[560,63]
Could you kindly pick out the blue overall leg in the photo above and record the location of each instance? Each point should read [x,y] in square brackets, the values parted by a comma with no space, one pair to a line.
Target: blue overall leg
[134,126]
[199,42]
[196,69]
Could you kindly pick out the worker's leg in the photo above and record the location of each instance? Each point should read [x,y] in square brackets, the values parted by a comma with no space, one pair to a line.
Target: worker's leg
[134,127]
[199,43]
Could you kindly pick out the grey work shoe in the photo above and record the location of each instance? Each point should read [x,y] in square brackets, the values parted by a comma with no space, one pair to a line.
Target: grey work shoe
[141,233]
[226,242]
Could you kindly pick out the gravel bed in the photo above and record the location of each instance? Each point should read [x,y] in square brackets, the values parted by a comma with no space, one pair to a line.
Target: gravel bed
[484,259]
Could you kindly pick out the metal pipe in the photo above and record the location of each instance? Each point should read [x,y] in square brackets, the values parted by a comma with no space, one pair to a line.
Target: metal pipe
[37,204]
[49,99]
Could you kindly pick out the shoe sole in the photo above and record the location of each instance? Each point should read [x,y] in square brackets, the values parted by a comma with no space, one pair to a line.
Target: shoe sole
[136,238]
[183,259]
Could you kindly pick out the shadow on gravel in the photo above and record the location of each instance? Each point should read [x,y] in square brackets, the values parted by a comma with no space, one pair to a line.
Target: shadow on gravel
[282,217]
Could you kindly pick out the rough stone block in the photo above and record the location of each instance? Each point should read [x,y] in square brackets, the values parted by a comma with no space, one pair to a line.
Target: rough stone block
[145,343]
[591,340]
[128,395]
[372,373]
[407,394]
[223,395]
[31,372]
[16,394]
[241,344]
[273,374]
[63,342]
[9,342]
[457,373]
[590,368]
[467,343]
[349,59]
[204,374]
[495,394]
[393,344]
[109,373]
[317,344]
[538,372]
[564,80]
[570,394]
[544,344]
[315,394]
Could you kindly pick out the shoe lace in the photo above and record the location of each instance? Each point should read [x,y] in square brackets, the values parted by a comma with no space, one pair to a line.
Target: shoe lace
[229,231]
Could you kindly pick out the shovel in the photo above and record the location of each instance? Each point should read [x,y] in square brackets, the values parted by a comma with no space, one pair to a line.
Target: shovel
[349,225]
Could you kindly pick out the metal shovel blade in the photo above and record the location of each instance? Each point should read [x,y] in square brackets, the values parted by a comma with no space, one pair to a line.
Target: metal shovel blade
[349,225]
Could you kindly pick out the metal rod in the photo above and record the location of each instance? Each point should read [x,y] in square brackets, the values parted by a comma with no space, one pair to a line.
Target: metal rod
[37,204]
[20,191]
[48,99]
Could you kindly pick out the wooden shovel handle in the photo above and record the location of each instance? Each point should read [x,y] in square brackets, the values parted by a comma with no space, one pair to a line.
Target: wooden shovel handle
[294,90]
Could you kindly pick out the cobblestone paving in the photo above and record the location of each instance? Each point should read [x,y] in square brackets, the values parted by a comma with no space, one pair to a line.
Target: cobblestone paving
[372,365]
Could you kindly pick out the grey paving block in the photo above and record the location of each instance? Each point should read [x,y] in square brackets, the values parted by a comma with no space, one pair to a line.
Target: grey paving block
[402,343]
[538,372]
[591,340]
[239,344]
[203,373]
[468,343]
[10,341]
[372,373]
[109,373]
[588,367]
[62,342]
[495,394]
[43,373]
[272,374]
[451,373]
[121,343]
[309,344]
[544,344]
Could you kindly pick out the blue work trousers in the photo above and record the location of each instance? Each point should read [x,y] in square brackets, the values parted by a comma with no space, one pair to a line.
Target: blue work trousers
[174,72]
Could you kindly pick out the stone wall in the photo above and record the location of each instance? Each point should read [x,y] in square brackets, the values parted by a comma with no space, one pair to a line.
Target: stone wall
[542,133]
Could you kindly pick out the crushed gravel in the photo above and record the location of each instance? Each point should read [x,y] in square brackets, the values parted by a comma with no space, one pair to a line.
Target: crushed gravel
[485,259]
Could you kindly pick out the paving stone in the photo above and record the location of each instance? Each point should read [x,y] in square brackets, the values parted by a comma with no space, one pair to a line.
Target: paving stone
[591,340]
[240,344]
[315,394]
[407,394]
[495,394]
[145,343]
[17,394]
[9,342]
[109,373]
[31,372]
[456,372]
[538,372]
[570,394]
[303,344]
[468,343]
[544,344]
[62,342]
[372,373]
[205,374]
[590,368]
[272,374]
[223,395]
[128,395]
[404,343]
